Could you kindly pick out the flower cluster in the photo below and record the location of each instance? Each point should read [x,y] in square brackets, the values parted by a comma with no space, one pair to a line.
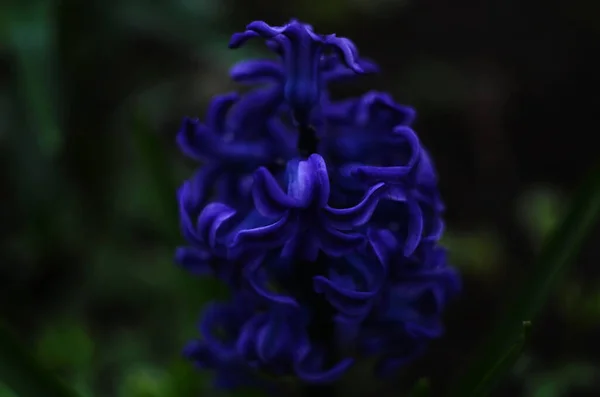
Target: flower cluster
[323,217]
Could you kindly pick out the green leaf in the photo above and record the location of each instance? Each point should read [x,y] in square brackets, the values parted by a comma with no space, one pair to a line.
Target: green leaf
[503,364]
[560,249]
[31,36]
[21,372]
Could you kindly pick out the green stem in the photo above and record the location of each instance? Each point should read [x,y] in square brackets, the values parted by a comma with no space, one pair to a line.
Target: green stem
[559,251]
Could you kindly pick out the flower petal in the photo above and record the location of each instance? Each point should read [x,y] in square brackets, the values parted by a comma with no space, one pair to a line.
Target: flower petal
[348,218]
[309,368]
[211,220]
[269,198]
[257,71]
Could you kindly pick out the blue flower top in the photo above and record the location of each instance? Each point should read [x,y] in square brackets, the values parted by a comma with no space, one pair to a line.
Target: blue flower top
[323,217]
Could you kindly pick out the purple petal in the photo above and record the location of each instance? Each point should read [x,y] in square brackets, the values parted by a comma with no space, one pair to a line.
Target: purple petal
[196,140]
[309,182]
[415,227]
[310,373]
[383,243]
[269,198]
[246,342]
[263,238]
[347,218]
[238,39]
[216,115]
[271,339]
[334,71]
[211,219]
[267,31]
[337,243]
[215,315]
[257,71]
[259,285]
[186,224]
[347,51]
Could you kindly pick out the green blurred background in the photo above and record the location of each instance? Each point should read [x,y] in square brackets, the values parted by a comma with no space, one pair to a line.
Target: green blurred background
[91,95]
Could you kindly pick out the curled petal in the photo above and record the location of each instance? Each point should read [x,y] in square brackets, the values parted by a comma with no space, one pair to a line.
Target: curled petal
[257,71]
[238,39]
[426,174]
[415,227]
[435,229]
[347,298]
[267,31]
[347,51]
[187,207]
[258,282]
[347,218]
[196,140]
[333,70]
[383,242]
[248,119]
[246,342]
[199,189]
[373,103]
[269,198]
[337,243]
[262,238]
[371,174]
[273,339]
[211,220]
[217,316]
[216,115]
[309,368]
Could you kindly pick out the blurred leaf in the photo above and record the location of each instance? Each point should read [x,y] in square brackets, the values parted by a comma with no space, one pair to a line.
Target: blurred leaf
[131,274]
[31,35]
[559,383]
[125,350]
[6,392]
[159,171]
[478,252]
[559,251]
[23,374]
[503,364]
[578,305]
[184,380]
[421,389]
[185,22]
[143,382]
[540,211]
[66,346]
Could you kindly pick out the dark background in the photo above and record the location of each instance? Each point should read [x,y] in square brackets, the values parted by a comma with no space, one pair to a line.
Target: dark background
[91,96]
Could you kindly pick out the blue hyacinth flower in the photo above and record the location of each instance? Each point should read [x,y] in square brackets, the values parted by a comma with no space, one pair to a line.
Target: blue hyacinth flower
[325,226]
